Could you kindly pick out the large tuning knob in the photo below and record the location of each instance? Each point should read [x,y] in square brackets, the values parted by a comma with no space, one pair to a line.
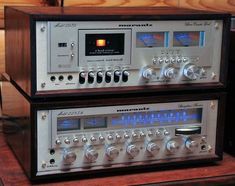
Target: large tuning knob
[147,73]
[152,148]
[170,73]
[192,71]
[132,150]
[172,146]
[112,152]
[91,154]
[191,145]
[69,156]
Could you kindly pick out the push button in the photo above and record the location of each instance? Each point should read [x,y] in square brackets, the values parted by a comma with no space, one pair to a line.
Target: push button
[91,76]
[117,75]
[99,78]
[125,75]
[108,76]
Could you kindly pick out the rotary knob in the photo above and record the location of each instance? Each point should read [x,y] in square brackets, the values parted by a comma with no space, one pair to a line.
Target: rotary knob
[172,146]
[112,152]
[191,145]
[170,73]
[69,157]
[91,154]
[192,71]
[152,148]
[132,150]
[147,73]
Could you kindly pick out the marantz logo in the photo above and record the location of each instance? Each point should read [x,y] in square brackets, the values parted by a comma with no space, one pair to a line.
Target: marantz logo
[65,25]
[70,113]
[133,109]
[135,25]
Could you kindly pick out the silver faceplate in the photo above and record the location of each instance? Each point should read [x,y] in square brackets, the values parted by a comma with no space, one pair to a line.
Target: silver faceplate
[50,155]
[58,68]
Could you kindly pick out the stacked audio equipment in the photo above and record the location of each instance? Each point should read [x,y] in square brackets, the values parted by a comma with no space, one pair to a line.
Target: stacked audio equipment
[114,89]
[230,121]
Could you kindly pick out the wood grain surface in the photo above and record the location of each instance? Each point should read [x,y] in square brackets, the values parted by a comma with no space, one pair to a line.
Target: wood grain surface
[2,52]
[17,3]
[216,5]
[132,3]
[12,174]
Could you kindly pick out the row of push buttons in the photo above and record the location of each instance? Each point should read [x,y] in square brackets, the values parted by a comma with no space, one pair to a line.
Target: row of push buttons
[101,76]
[161,60]
[116,137]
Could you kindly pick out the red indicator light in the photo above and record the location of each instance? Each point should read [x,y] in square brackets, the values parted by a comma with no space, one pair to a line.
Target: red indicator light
[100,42]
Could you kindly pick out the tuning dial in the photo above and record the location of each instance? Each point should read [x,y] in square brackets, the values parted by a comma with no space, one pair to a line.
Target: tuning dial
[132,150]
[192,71]
[91,154]
[147,73]
[112,152]
[152,148]
[191,145]
[69,157]
[172,146]
[170,73]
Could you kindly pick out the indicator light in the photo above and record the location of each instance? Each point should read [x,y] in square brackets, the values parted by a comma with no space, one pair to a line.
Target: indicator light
[100,42]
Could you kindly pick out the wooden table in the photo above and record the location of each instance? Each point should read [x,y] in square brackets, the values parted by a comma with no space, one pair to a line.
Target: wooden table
[221,173]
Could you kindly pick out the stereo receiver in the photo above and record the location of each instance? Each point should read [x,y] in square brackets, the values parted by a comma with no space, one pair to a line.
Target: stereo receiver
[56,139]
[84,51]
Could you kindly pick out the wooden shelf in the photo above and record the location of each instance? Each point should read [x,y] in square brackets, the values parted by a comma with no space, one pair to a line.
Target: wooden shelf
[220,173]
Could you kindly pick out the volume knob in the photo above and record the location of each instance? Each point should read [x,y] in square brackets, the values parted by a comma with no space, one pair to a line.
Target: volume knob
[152,148]
[132,150]
[172,146]
[191,145]
[69,157]
[91,154]
[170,73]
[147,73]
[191,71]
[112,152]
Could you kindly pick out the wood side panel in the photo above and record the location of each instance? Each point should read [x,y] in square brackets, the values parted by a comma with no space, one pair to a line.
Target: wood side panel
[18,53]
[2,51]
[217,5]
[17,3]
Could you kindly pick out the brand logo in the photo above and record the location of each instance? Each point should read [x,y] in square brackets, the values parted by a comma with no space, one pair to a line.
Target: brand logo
[70,113]
[65,25]
[133,109]
[135,25]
